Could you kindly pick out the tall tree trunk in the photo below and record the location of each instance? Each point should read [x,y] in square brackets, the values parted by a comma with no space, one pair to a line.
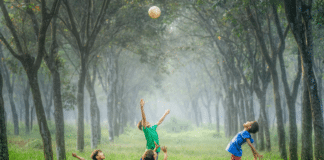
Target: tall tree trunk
[31,117]
[13,111]
[41,118]
[4,154]
[93,109]
[80,104]
[217,113]
[26,102]
[10,89]
[284,111]
[98,125]
[58,116]
[264,119]
[49,104]
[195,110]
[307,144]
[261,133]
[233,113]
[291,100]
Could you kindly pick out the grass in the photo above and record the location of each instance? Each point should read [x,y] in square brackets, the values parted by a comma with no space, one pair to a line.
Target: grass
[197,144]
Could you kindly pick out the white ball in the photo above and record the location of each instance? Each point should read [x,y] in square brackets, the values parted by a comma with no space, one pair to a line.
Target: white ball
[154,12]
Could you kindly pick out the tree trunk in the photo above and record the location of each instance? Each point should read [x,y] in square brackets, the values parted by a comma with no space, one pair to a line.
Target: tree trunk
[80,103]
[195,110]
[4,154]
[31,117]
[41,118]
[14,112]
[284,113]
[110,114]
[260,133]
[93,111]
[300,22]
[49,104]
[217,113]
[58,116]
[307,144]
[98,125]
[10,88]
[26,102]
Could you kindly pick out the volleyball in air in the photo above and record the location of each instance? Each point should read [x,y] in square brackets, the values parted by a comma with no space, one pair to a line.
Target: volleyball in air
[154,12]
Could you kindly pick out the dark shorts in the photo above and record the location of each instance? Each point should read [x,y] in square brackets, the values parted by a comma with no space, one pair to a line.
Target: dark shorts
[157,157]
[235,158]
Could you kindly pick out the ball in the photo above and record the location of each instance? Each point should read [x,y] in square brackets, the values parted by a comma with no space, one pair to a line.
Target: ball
[154,12]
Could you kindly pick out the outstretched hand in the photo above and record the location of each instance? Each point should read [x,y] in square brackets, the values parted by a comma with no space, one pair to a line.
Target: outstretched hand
[156,145]
[142,103]
[164,149]
[167,111]
[74,154]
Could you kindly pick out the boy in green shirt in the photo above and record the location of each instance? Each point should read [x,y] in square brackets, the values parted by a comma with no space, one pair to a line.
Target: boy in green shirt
[150,133]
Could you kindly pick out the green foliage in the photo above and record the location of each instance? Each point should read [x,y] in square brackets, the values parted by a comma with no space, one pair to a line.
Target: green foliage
[319,12]
[176,125]
[35,144]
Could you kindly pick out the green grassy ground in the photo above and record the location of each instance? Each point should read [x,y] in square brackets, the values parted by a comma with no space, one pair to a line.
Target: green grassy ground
[200,143]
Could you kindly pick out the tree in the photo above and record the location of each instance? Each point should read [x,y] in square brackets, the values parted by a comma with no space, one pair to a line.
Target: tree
[3,131]
[54,63]
[85,38]
[299,21]
[271,62]
[10,83]
[31,64]
[94,109]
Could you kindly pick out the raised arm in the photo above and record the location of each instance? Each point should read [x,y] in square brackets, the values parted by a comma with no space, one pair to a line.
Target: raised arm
[164,149]
[162,119]
[255,153]
[76,156]
[143,113]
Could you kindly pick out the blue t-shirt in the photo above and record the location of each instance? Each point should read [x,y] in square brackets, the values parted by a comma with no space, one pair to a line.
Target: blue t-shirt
[234,146]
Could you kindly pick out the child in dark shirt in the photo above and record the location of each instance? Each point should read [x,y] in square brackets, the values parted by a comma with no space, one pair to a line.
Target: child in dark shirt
[96,155]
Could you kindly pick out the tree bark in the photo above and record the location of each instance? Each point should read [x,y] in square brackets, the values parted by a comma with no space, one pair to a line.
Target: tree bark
[4,154]
[10,89]
[41,118]
[261,133]
[307,129]
[26,102]
[217,113]
[301,27]
[58,116]
[93,109]
[80,104]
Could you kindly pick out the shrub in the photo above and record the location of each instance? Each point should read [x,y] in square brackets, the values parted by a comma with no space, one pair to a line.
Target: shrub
[35,144]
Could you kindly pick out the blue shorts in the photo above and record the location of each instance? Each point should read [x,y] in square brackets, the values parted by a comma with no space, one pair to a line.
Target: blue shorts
[156,156]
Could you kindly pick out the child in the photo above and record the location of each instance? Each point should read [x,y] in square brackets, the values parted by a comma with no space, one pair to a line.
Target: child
[152,155]
[150,133]
[234,146]
[96,155]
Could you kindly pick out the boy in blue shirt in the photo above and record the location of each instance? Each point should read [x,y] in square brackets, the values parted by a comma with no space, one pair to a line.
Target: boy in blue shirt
[234,146]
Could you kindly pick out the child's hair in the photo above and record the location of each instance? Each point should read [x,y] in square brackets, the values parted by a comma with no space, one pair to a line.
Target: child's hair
[94,154]
[254,127]
[139,125]
[149,155]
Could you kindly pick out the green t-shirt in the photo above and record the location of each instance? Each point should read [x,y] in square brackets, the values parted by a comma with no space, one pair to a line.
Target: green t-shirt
[151,136]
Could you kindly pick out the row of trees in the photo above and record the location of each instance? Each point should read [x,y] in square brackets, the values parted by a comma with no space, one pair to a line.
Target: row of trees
[96,31]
